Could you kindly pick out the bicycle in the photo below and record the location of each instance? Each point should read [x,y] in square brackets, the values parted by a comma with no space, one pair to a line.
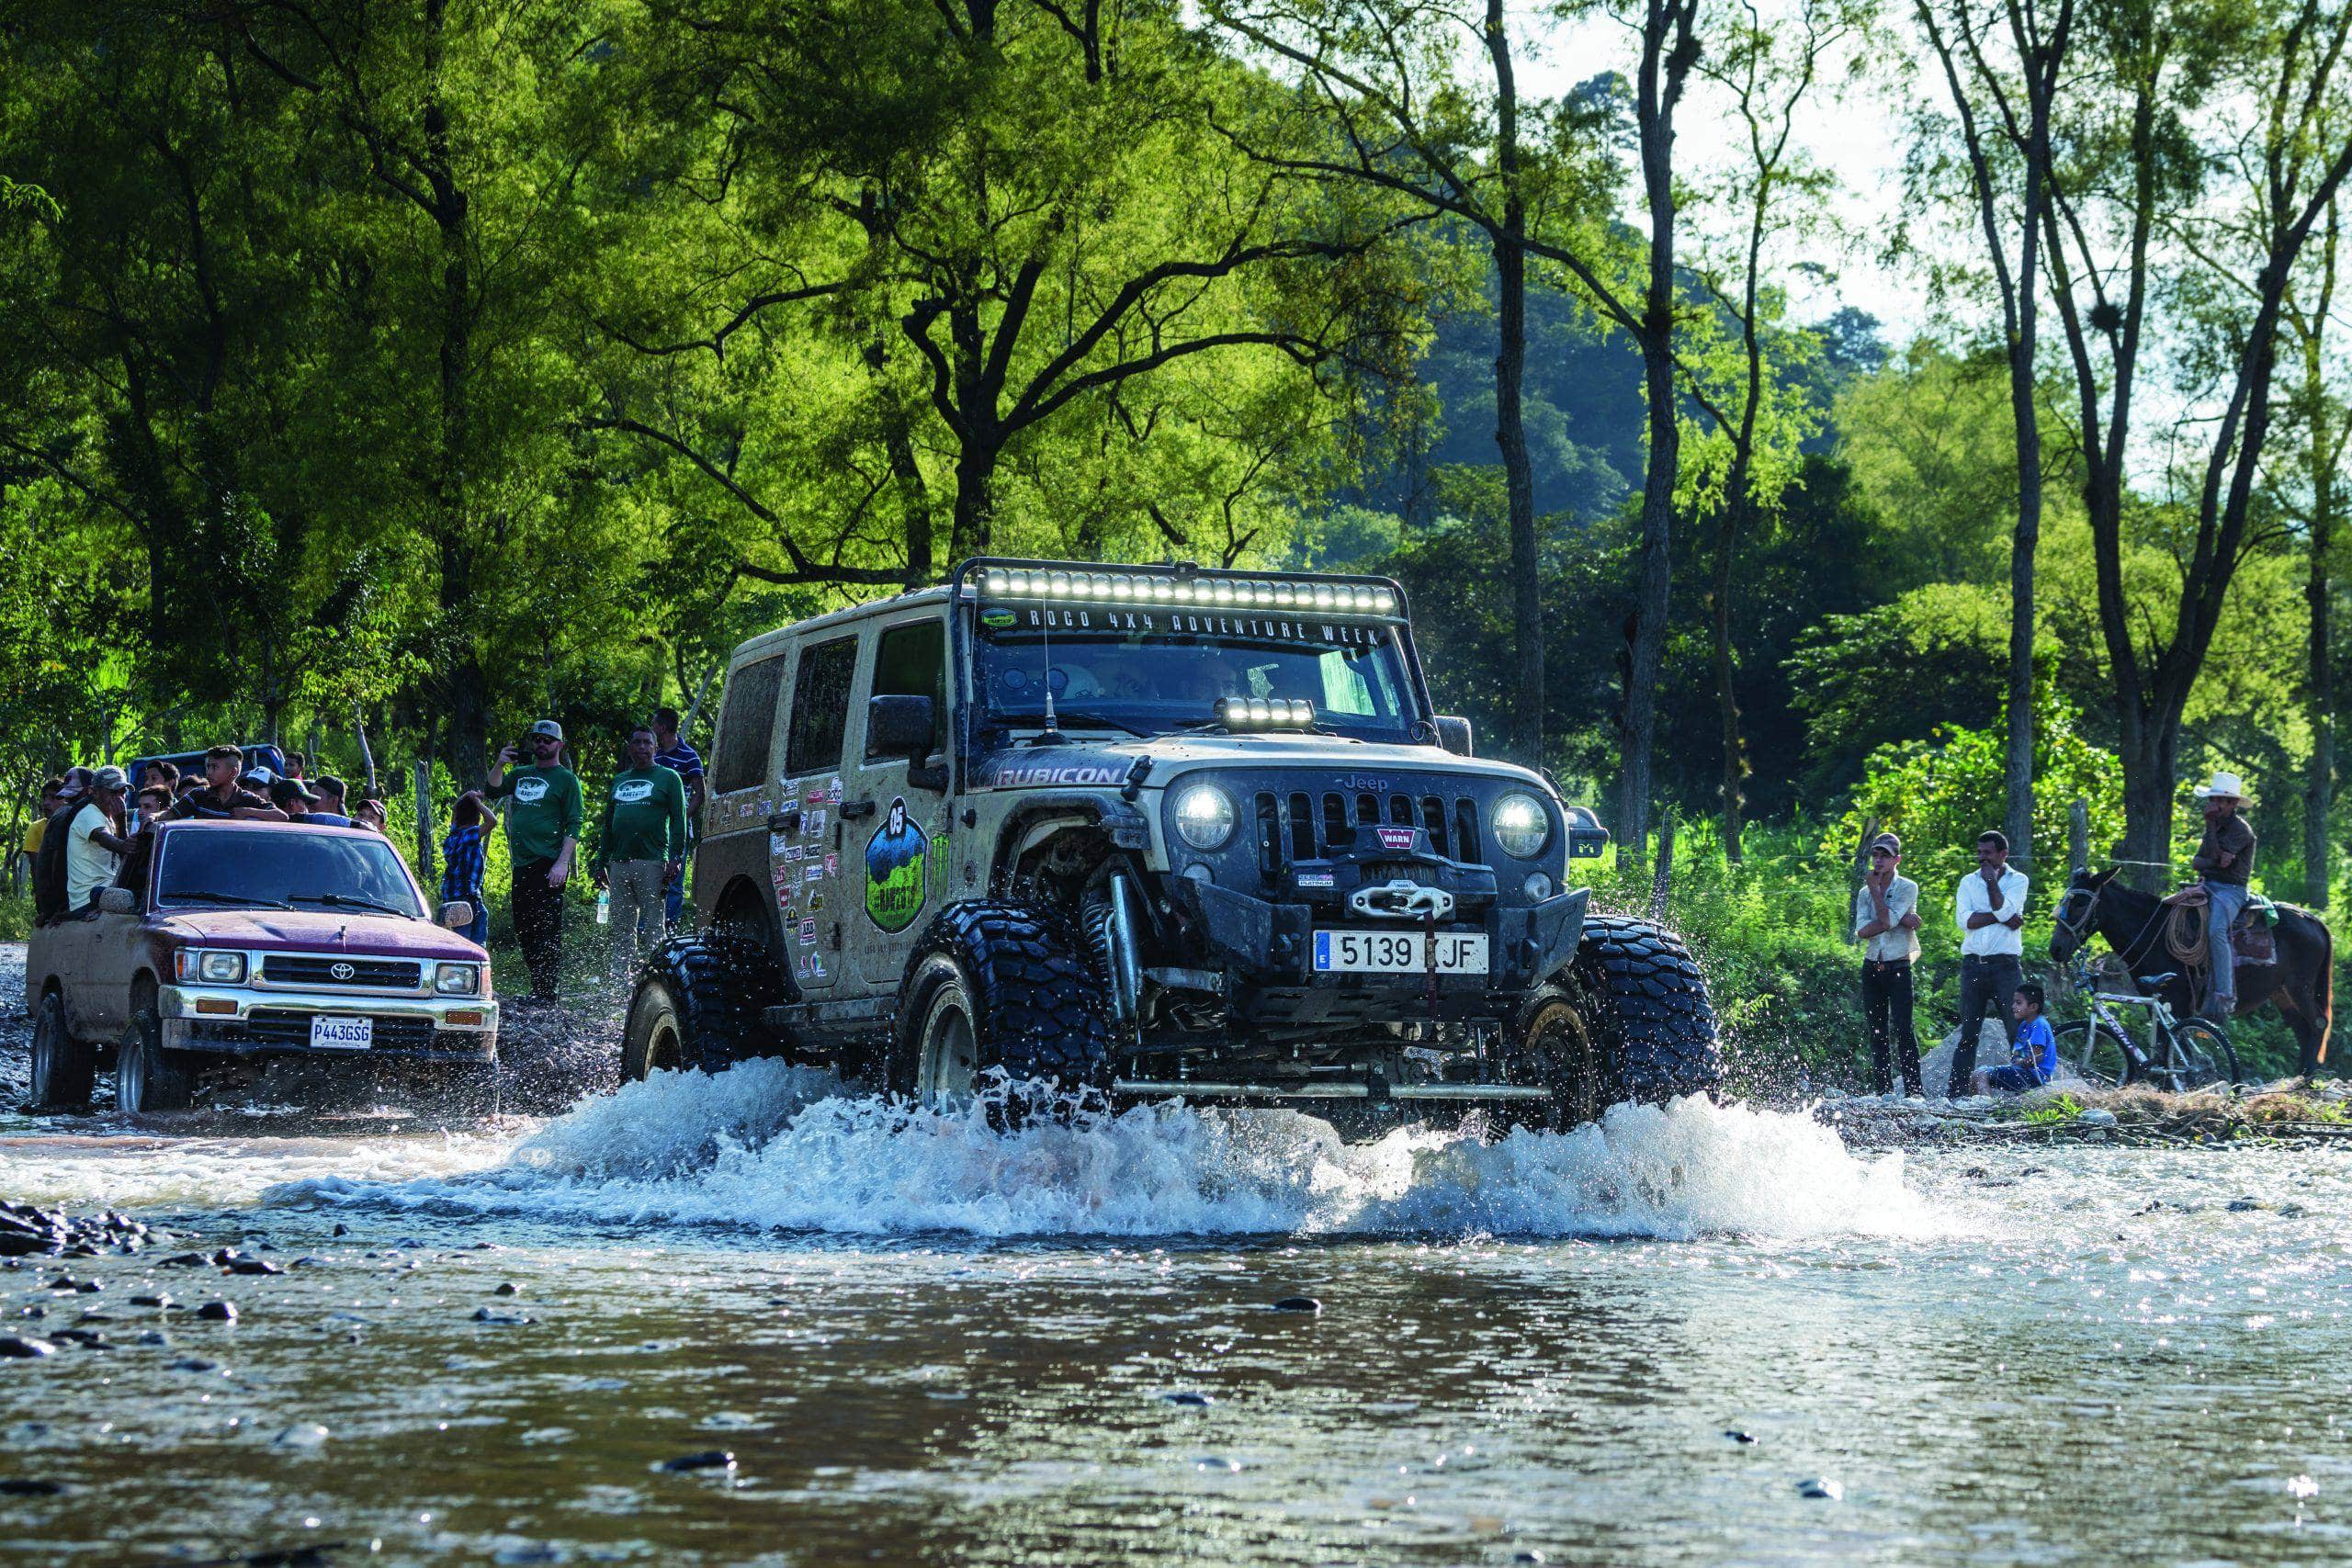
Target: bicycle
[2180,1054]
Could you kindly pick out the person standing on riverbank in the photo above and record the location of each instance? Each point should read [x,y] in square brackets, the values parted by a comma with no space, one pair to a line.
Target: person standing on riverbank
[2224,863]
[1886,921]
[640,845]
[671,750]
[1989,908]
[542,836]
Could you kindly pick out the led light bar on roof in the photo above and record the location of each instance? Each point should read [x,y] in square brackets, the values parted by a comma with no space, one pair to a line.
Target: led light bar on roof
[1202,593]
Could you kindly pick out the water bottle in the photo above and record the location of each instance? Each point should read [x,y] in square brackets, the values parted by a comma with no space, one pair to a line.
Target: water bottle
[604,905]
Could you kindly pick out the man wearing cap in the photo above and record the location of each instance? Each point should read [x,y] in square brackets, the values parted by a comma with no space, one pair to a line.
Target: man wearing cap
[95,844]
[1989,907]
[1886,919]
[295,798]
[542,835]
[2224,863]
[49,865]
[639,846]
[224,795]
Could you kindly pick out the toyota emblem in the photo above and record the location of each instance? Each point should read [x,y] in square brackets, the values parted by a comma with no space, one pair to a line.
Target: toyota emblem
[343,972]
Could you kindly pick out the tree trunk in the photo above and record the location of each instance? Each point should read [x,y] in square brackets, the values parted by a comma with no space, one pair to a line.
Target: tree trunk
[1734,758]
[2149,778]
[1518,483]
[2318,694]
[1668,50]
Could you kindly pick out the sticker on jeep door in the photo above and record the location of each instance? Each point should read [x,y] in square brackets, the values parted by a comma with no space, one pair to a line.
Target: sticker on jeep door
[896,870]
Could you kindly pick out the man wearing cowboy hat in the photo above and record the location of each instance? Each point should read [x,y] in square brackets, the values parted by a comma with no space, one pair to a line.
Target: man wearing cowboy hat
[2224,863]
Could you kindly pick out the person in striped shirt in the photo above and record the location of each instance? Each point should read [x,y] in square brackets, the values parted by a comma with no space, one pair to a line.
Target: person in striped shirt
[671,751]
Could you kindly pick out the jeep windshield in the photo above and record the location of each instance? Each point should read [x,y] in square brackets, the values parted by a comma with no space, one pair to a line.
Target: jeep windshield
[324,868]
[1167,675]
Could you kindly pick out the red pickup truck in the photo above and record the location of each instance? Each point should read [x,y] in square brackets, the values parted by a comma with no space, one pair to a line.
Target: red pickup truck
[252,941]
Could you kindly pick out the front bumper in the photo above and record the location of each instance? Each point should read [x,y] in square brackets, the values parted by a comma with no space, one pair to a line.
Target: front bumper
[1266,949]
[235,1021]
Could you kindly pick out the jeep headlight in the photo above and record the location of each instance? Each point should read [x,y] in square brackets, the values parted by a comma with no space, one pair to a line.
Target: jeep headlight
[458,979]
[1522,826]
[210,965]
[1205,817]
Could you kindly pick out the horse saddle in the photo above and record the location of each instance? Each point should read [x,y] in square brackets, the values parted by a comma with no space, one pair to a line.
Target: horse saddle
[2252,940]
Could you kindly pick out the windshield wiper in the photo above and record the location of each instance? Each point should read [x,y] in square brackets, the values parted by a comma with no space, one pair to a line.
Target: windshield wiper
[1064,717]
[355,901]
[201,896]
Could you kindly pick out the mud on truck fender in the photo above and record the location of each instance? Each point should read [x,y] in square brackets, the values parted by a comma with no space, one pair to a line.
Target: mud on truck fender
[699,1004]
[1628,1019]
[996,984]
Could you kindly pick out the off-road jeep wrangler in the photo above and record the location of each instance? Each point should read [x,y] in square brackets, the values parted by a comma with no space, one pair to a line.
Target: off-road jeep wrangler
[1150,832]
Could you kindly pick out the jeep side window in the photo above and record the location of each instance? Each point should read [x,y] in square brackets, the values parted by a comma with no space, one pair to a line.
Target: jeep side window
[746,726]
[911,662]
[820,706]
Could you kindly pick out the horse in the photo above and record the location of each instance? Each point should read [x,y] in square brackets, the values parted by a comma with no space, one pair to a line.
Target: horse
[2302,980]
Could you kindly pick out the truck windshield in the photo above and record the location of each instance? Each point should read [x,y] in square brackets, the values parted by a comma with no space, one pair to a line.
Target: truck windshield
[323,869]
[1153,672]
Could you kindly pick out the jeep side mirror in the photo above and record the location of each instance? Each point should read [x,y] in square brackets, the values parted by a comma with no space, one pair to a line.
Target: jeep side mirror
[117,901]
[1454,734]
[456,914]
[898,725]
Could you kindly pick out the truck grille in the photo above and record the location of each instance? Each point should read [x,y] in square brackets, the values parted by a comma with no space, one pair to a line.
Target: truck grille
[1304,826]
[383,973]
[278,1026]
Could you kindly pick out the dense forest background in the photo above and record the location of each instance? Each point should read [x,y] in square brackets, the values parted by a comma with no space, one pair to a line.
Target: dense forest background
[408,371]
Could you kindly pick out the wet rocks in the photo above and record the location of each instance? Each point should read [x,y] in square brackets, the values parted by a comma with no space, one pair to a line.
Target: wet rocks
[183,1260]
[24,1347]
[303,1435]
[150,1301]
[26,1230]
[1300,1303]
[502,1319]
[27,1486]
[507,1288]
[218,1312]
[1186,1397]
[1821,1488]
[709,1459]
[254,1266]
[195,1364]
[1737,1436]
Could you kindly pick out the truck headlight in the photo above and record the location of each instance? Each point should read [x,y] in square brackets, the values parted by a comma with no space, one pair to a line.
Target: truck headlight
[458,979]
[210,965]
[1205,817]
[1522,826]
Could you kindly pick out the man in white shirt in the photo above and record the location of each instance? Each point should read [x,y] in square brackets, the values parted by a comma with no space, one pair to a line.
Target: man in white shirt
[94,842]
[1990,910]
[1886,921]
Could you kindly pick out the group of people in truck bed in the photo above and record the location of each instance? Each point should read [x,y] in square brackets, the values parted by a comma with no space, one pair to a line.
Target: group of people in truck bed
[92,833]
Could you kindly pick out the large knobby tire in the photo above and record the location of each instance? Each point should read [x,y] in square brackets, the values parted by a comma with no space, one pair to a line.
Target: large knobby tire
[998,986]
[147,1079]
[1628,1021]
[64,1068]
[697,1006]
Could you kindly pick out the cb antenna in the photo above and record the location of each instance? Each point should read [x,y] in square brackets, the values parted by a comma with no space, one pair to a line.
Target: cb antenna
[1046,625]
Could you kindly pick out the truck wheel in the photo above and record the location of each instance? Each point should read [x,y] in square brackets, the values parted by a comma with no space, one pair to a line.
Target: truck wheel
[697,1007]
[147,1078]
[1630,1020]
[999,987]
[64,1068]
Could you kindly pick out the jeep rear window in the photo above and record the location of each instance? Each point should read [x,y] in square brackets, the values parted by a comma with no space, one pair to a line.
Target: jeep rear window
[820,706]
[334,869]
[1167,674]
[746,726]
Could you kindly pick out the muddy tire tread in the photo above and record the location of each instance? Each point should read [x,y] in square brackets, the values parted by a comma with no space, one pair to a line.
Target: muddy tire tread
[721,983]
[1646,1000]
[1039,1002]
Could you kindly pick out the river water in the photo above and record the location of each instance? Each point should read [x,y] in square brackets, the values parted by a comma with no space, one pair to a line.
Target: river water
[923,1341]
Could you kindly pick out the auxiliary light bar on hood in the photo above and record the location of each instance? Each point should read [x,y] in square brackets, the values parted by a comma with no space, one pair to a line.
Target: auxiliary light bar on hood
[1193,590]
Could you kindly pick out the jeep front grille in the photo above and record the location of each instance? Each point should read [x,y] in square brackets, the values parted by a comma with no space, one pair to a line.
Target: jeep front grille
[1302,825]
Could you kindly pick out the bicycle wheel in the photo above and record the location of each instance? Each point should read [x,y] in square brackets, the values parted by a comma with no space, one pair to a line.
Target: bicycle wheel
[2203,1055]
[2094,1050]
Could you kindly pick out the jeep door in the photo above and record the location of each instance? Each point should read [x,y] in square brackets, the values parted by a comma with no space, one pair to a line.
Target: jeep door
[740,790]
[805,836]
[894,864]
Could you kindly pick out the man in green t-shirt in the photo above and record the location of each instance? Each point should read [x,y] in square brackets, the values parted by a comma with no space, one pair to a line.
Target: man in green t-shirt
[641,846]
[542,835]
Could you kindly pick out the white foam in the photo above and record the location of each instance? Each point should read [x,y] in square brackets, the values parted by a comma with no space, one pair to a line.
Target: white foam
[768,1146]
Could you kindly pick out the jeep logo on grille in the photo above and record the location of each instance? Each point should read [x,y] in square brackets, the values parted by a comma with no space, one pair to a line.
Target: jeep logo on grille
[1395,837]
[344,972]
[1363,785]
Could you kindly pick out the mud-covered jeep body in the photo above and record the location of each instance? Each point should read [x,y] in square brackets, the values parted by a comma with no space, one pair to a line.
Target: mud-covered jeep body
[1157,831]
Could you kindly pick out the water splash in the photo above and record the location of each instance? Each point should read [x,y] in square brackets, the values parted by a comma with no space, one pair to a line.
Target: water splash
[773,1146]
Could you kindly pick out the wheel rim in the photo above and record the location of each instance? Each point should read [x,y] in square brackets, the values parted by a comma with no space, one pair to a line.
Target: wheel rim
[2200,1064]
[130,1077]
[949,1072]
[1560,1049]
[2096,1055]
[44,1064]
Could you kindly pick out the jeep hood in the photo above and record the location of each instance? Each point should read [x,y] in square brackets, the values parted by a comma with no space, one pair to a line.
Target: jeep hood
[1107,762]
[352,931]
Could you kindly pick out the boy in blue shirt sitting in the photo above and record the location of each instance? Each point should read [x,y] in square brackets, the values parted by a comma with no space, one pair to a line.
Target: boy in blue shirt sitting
[2033,1060]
